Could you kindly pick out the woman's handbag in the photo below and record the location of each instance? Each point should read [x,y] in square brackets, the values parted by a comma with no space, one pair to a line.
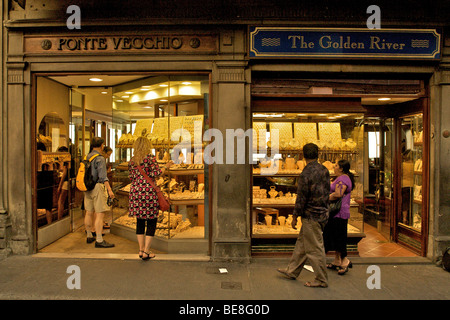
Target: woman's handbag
[335,207]
[164,204]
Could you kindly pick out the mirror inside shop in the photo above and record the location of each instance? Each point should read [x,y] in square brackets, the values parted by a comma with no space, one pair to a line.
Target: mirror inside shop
[72,109]
[339,136]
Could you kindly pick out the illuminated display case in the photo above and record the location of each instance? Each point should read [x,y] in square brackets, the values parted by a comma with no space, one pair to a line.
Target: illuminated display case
[338,135]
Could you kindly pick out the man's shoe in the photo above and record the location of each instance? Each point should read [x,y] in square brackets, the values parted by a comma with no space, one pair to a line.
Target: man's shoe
[95,234]
[90,239]
[286,274]
[103,244]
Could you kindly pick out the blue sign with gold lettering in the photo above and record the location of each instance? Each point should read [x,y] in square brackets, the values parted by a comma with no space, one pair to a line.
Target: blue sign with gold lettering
[278,42]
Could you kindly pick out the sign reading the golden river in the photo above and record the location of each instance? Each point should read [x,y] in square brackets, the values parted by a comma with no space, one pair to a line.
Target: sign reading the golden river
[344,43]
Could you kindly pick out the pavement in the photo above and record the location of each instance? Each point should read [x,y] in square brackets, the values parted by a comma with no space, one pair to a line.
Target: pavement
[178,278]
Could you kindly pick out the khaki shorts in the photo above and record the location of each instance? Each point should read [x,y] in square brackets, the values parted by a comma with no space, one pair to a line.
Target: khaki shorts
[96,200]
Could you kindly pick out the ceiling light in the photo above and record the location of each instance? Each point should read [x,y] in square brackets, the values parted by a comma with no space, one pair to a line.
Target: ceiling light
[95,79]
[145,89]
[384,99]
[104,92]
[147,107]
[129,92]
[163,85]
[186,83]
[163,100]
[262,115]
[125,97]
[119,100]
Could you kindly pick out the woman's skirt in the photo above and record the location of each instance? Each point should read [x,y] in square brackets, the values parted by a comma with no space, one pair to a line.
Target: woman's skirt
[335,236]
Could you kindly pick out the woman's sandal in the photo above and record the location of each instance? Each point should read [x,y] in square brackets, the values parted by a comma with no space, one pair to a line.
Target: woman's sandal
[332,266]
[141,254]
[149,256]
[316,284]
[344,270]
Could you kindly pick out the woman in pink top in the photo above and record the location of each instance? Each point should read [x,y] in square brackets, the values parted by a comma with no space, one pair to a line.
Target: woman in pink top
[335,232]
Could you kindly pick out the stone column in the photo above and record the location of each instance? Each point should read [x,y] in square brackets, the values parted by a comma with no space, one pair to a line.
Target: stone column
[439,226]
[18,149]
[231,181]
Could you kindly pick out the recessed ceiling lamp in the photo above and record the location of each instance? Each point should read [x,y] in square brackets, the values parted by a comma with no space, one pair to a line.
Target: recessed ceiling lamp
[129,92]
[163,100]
[384,99]
[119,100]
[147,107]
[104,92]
[163,85]
[95,79]
[145,89]
[125,97]
[186,83]
[264,115]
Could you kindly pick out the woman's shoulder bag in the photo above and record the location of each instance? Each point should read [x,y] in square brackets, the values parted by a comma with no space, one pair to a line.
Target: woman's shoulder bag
[164,204]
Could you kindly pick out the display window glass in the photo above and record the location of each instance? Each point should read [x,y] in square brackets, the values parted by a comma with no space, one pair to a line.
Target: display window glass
[171,111]
[411,173]
[53,169]
[278,160]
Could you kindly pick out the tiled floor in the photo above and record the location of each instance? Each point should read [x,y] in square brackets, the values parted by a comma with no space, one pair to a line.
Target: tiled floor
[375,245]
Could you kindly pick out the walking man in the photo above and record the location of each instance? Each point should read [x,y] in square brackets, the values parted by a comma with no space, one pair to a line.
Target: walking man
[96,200]
[312,206]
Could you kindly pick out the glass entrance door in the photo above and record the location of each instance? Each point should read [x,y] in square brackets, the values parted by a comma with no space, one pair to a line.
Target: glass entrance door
[53,162]
[379,187]
[412,209]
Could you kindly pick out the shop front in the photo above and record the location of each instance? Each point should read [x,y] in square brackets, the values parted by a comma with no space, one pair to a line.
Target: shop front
[375,98]
[119,86]
[378,121]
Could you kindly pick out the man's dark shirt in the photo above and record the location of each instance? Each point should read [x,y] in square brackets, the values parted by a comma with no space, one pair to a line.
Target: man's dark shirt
[313,192]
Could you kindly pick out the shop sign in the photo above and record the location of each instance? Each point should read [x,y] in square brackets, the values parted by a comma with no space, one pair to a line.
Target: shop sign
[159,43]
[277,42]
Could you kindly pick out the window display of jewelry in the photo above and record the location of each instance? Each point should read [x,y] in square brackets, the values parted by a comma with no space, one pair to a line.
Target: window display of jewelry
[412,172]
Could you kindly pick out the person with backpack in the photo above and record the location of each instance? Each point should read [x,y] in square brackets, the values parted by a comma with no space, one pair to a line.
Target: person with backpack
[96,200]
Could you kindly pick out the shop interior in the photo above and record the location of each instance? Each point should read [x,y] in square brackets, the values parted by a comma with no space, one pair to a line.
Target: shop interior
[384,149]
[167,110]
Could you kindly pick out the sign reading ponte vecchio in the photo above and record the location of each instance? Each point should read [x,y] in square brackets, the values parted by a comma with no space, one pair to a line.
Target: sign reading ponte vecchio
[276,42]
[159,43]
